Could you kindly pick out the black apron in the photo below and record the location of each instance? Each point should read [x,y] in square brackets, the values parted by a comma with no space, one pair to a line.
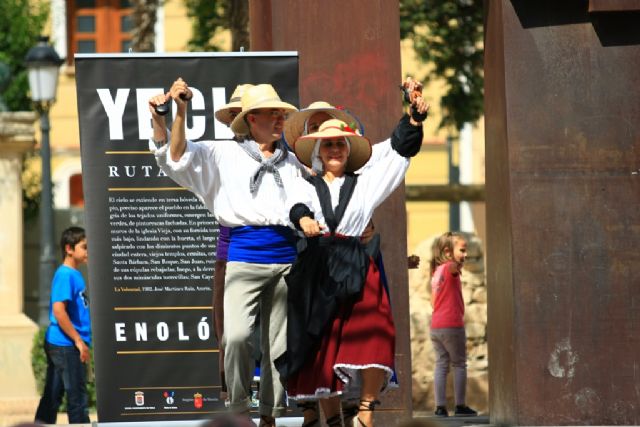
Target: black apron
[329,271]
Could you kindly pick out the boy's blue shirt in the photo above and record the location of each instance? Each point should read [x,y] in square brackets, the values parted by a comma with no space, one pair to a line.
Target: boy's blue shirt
[68,285]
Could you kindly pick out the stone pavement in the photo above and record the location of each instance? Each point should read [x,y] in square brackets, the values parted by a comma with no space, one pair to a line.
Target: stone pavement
[7,420]
[13,419]
[22,411]
[481,420]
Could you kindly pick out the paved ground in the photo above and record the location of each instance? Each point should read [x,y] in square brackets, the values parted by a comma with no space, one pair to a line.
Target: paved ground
[14,419]
[458,421]
[22,410]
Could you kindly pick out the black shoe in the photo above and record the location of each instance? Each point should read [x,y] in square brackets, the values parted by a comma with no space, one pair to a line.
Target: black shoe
[441,411]
[465,411]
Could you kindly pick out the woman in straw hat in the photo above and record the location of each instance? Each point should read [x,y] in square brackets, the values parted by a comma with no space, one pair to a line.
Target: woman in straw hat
[304,122]
[340,328]
[245,182]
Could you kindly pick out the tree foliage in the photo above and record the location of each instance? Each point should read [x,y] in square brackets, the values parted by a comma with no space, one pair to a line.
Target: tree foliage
[210,15]
[449,34]
[238,19]
[21,23]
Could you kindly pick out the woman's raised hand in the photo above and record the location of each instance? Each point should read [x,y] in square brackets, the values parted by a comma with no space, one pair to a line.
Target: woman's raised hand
[413,88]
[413,94]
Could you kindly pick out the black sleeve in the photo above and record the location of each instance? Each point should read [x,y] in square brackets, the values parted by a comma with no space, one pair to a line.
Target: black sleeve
[297,212]
[406,138]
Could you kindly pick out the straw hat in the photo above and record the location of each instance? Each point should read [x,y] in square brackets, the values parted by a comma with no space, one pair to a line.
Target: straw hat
[259,96]
[294,125]
[223,114]
[360,146]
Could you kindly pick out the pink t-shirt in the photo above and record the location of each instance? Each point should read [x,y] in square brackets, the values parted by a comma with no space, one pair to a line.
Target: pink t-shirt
[446,294]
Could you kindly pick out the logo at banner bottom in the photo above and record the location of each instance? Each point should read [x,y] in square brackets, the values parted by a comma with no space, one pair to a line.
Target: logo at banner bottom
[168,396]
[139,398]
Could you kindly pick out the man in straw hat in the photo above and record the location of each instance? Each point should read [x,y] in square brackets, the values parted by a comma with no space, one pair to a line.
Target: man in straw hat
[230,111]
[308,120]
[243,184]
[225,115]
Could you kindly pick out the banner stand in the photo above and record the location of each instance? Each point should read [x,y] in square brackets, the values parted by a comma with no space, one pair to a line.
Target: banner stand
[152,243]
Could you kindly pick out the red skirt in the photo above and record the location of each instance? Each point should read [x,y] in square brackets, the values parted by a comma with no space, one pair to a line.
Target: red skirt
[361,336]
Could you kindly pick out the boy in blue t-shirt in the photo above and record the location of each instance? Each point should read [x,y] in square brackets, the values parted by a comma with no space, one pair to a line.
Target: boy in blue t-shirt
[68,336]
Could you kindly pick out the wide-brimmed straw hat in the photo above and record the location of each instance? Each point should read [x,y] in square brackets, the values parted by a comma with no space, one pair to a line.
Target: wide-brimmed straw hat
[223,114]
[259,96]
[360,146]
[294,125]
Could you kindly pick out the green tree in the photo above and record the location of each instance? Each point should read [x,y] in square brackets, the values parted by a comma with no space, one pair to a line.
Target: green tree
[209,16]
[238,24]
[449,34]
[21,22]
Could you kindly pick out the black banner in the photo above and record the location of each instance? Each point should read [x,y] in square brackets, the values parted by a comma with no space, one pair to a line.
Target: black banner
[152,243]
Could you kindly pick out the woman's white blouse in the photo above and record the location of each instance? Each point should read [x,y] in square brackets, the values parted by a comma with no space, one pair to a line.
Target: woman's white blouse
[376,181]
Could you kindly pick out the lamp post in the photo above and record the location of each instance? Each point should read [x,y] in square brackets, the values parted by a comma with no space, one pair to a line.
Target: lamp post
[43,64]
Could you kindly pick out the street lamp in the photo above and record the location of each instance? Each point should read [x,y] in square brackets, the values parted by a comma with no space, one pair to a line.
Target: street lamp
[43,64]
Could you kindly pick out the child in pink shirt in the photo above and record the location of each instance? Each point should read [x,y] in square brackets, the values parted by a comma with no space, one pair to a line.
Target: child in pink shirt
[448,337]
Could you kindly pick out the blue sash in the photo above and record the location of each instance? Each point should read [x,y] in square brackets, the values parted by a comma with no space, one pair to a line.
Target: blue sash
[272,244]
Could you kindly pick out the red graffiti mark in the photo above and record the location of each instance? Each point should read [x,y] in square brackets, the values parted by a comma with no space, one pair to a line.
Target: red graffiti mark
[352,81]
